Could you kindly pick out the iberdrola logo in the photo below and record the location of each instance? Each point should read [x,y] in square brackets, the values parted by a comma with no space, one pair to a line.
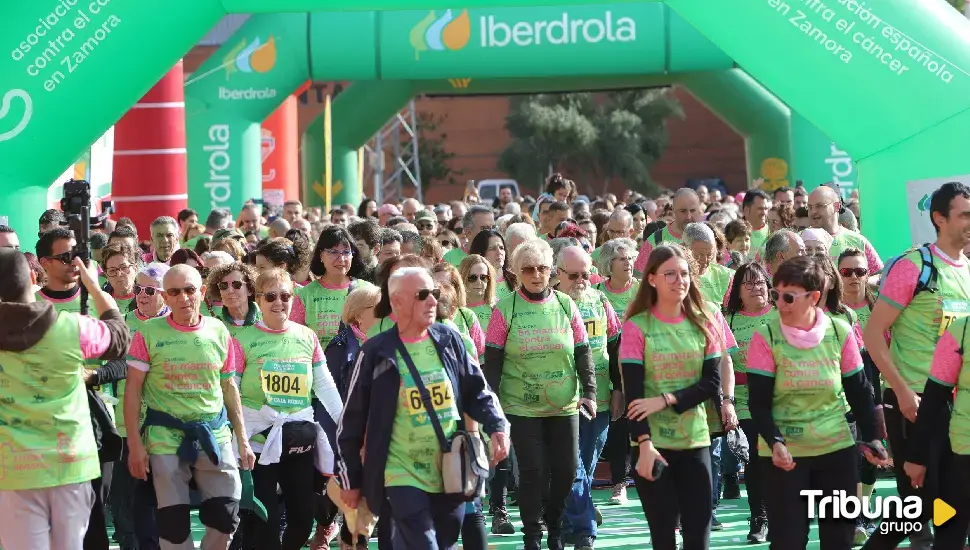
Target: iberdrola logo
[439,34]
[256,56]
[924,204]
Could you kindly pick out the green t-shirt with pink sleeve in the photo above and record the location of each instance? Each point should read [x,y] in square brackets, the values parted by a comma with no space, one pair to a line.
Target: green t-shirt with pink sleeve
[619,298]
[672,353]
[715,283]
[46,438]
[648,245]
[949,368]
[925,317]
[846,238]
[277,366]
[743,325]
[184,368]
[807,406]
[602,326]
[320,307]
[539,339]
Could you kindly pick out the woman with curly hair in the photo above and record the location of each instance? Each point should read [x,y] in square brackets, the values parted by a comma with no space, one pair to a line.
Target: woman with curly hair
[233,287]
[291,256]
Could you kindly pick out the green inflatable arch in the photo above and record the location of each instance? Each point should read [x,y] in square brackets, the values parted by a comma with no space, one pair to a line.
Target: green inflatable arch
[888,82]
[393,56]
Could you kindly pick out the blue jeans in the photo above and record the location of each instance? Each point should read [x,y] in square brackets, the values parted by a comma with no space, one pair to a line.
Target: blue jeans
[424,521]
[579,517]
[716,471]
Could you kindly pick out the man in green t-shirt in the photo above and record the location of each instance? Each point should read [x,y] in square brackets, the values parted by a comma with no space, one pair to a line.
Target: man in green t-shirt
[824,205]
[917,317]
[754,208]
[54,252]
[48,453]
[687,209]
[386,413]
[182,367]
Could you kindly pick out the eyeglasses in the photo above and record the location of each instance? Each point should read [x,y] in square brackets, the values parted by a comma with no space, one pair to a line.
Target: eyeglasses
[532,270]
[815,207]
[204,271]
[472,278]
[575,276]
[336,253]
[188,291]
[788,297]
[624,259]
[757,283]
[123,268]
[428,226]
[423,294]
[857,271]
[236,285]
[272,296]
[64,258]
[447,244]
[673,276]
[148,290]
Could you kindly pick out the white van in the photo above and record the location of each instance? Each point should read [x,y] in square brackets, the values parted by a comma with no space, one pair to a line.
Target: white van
[488,189]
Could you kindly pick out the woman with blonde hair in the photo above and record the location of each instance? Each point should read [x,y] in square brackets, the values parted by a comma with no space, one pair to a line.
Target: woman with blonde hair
[479,278]
[465,319]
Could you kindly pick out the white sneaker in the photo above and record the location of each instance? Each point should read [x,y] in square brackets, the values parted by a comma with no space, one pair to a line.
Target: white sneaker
[619,495]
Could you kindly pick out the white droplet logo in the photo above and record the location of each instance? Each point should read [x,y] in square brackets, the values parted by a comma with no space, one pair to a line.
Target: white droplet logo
[5,108]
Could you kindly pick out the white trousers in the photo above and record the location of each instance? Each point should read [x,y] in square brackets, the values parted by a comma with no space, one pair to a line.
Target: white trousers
[55,518]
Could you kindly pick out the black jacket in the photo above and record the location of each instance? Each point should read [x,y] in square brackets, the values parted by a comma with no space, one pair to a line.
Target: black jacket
[368,415]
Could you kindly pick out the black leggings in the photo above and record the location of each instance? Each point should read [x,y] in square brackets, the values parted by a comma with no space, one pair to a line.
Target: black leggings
[473,535]
[752,471]
[547,450]
[788,509]
[498,484]
[618,450]
[291,473]
[683,491]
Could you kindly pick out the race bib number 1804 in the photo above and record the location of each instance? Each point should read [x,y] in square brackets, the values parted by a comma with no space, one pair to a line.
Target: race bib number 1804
[285,384]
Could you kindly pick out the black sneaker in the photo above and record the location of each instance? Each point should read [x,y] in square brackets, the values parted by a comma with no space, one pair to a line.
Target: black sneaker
[732,490]
[584,543]
[553,542]
[759,530]
[501,525]
[715,524]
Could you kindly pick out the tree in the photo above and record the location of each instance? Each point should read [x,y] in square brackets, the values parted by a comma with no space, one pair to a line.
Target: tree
[594,137]
[434,158]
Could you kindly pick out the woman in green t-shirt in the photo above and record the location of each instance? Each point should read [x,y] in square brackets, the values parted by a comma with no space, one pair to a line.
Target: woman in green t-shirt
[293,256]
[670,352]
[120,264]
[538,357]
[799,366]
[748,309]
[479,278]
[491,245]
[464,319]
[234,286]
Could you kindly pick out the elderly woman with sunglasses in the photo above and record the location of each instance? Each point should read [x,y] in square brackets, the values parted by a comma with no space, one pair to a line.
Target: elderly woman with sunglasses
[232,289]
[538,358]
[280,362]
[798,366]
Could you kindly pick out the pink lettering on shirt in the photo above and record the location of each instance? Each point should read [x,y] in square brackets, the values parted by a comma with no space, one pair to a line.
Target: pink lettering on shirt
[851,356]
[613,325]
[632,344]
[235,360]
[497,333]
[872,257]
[947,361]
[641,262]
[899,284]
[477,335]
[298,311]
[94,335]
[579,328]
[759,357]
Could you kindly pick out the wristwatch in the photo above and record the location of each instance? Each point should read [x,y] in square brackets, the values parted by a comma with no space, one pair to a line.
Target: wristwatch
[730,400]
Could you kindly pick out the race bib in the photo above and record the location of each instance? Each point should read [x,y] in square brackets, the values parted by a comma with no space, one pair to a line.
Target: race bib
[442,400]
[594,328]
[952,310]
[285,384]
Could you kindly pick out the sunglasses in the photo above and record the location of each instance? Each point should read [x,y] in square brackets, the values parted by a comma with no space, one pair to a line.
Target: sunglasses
[787,297]
[271,296]
[428,226]
[423,294]
[476,278]
[533,269]
[148,290]
[850,271]
[236,285]
[575,276]
[64,258]
[188,291]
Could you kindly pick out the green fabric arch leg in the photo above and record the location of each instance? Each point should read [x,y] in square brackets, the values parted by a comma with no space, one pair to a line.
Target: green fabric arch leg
[817,159]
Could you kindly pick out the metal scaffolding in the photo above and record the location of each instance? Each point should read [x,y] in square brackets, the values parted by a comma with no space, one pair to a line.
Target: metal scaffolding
[392,157]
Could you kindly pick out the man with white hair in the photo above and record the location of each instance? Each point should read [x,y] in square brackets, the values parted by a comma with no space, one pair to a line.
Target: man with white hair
[402,377]
[782,245]
[165,240]
[619,226]
[410,209]
[687,209]
[303,225]
[251,219]
[278,228]
[292,211]
[714,280]
[603,329]
[182,368]
[478,218]
[516,234]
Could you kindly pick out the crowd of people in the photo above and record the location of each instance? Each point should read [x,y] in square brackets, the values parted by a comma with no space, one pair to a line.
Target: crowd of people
[298,376]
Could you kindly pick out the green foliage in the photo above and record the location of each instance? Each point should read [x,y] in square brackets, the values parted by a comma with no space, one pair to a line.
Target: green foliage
[434,157]
[592,137]
[958,4]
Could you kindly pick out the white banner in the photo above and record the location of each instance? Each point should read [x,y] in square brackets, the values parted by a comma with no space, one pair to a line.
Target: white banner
[918,194]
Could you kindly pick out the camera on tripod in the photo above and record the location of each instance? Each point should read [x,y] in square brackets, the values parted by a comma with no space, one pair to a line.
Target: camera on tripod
[76,206]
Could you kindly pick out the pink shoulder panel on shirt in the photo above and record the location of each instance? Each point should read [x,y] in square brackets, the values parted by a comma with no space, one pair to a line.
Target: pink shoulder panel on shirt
[851,356]
[641,262]
[872,257]
[497,334]
[631,343]
[477,335]
[138,350]
[298,311]
[94,336]
[759,355]
[725,329]
[898,285]
[318,356]
[612,321]
[578,326]
[947,362]
[728,293]
[235,359]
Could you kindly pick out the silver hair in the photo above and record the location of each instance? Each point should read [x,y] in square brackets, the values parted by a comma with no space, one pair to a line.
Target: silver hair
[223,257]
[396,278]
[513,208]
[698,232]
[156,271]
[560,243]
[610,251]
[778,243]
[620,214]
[572,249]
[522,230]
[685,192]
[468,220]
[536,250]
[848,221]
[165,220]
